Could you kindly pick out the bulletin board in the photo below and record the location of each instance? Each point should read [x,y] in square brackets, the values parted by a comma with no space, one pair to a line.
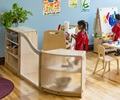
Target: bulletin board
[107,19]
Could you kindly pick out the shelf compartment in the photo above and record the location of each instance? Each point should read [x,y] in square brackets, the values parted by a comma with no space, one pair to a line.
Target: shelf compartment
[64,65]
[49,84]
[12,61]
[12,41]
[58,67]
[63,93]
[16,56]
[61,63]
[72,87]
[12,36]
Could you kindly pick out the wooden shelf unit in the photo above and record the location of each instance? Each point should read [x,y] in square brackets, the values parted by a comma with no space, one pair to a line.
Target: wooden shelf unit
[13,45]
[43,68]
[52,62]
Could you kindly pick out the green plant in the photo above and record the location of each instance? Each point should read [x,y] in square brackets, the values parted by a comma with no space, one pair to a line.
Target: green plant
[16,15]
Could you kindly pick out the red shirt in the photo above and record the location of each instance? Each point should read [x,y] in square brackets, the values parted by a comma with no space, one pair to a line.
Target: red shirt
[116,29]
[81,39]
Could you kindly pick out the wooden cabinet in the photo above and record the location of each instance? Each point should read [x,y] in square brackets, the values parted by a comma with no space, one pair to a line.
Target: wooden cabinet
[13,45]
[60,74]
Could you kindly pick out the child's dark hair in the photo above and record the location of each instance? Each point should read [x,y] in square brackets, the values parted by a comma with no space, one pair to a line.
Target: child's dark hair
[84,23]
[117,16]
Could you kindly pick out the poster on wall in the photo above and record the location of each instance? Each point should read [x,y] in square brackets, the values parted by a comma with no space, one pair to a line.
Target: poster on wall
[51,7]
[85,5]
[72,3]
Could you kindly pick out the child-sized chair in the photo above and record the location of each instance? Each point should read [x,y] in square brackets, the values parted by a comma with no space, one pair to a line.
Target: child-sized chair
[105,59]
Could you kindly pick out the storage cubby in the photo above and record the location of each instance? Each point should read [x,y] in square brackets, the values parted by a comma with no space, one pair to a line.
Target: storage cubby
[61,74]
[13,45]
[54,71]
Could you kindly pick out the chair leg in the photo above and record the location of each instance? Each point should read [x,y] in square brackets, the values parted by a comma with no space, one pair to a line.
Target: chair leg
[104,69]
[96,66]
[117,67]
[103,62]
[109,66]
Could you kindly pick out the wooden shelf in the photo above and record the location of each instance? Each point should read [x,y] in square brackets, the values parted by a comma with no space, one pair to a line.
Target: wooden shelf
[12,41]
[16,56]
[72,87]
[15,43]
[63,52]
[58,67]
[13,65]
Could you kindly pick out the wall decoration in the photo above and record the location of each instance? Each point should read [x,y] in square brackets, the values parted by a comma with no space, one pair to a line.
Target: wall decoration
[85,5]
[51,7]
[72,3]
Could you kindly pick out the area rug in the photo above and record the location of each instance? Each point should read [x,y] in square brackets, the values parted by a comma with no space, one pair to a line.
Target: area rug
[6,87]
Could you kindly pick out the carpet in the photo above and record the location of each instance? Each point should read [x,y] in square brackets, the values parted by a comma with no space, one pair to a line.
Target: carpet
[6,87]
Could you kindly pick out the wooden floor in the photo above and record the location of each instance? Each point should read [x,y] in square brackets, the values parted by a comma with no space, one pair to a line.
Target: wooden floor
[96,87]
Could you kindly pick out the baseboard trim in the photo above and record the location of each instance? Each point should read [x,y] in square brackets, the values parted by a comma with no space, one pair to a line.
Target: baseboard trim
[90,48]
[2,60]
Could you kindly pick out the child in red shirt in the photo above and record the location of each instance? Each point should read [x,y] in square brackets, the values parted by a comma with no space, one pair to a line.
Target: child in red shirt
[116,32]
[116,28]
[81,38]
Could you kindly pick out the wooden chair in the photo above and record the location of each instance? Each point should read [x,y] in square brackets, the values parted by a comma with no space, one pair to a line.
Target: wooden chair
[105,59]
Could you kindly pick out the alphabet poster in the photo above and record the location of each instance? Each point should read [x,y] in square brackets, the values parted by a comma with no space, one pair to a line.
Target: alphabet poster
[72,3]
[51,7]
[85,5]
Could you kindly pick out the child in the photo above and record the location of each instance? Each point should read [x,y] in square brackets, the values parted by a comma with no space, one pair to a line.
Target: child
[116,28]
[67,36]
[81,38]
[68,39]
[116,31]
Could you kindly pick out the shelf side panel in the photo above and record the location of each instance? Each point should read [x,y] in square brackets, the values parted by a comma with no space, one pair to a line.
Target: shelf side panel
[29,61]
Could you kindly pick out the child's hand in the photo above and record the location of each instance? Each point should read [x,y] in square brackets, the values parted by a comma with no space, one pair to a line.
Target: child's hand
[73,36]
[113,37]
[67,36]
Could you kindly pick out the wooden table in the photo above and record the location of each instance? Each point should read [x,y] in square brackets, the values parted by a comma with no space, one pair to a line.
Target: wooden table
[112,45]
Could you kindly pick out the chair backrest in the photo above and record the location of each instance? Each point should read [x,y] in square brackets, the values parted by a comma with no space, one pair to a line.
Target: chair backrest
[53,39]
[101,51]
